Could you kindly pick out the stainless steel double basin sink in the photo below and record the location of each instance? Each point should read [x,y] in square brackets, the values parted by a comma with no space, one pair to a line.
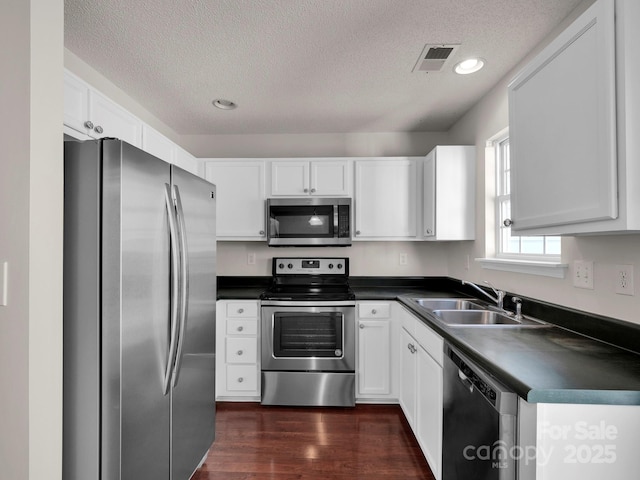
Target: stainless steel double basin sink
[462,312]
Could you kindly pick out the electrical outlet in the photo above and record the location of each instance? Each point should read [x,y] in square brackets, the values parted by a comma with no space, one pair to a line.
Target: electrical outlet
[251,258]
[583,274]
[403,259]
[624,279]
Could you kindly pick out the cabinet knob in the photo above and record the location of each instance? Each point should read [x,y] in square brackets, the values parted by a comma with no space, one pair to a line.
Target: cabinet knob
[429,231]
[357,232]
[88,124]
[313,190]
[507,222]
[240,379]
[362,325]
[98,129]
[305,190]
[261,232]
[240,328]
[374,311]
[239,352]
[240,310]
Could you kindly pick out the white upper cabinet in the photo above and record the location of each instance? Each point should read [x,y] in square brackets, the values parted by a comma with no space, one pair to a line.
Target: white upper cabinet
[156,144]
[240,186]
[320,177]
[89,113]
[386,200]
[574,117]
[449,193]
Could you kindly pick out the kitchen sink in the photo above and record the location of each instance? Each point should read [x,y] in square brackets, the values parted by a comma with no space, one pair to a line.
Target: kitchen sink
[448,304]
[468,318]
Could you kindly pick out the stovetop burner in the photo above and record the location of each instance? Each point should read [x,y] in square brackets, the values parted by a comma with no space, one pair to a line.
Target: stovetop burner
[310,279]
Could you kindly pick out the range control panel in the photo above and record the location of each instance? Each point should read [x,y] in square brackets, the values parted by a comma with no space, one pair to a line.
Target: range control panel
[311,266]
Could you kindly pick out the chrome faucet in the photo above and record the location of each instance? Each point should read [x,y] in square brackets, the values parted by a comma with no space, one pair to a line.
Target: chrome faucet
[499,298]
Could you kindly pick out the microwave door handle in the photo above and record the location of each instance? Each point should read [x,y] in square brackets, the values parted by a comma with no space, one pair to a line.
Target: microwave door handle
[335,221]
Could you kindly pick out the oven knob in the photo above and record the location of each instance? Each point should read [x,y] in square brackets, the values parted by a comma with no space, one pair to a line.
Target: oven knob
[330,266]
[338,352]
[339,266]
[290,265]
[281,266]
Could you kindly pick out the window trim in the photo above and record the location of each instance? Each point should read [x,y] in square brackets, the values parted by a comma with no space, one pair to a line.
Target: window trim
[536,264]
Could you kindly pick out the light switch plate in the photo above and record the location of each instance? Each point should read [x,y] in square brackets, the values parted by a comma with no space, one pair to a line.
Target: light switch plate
[583,274]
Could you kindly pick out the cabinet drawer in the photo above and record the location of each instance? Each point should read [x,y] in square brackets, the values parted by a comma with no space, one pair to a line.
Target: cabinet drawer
[374,310]
[241,350]
[242,378]
[242,309]
[242,326]
[430,341]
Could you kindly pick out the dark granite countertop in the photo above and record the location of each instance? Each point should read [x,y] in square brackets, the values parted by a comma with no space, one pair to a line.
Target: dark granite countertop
[598,363]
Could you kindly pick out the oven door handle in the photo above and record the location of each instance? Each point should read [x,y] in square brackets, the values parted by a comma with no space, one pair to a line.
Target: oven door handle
[296,303]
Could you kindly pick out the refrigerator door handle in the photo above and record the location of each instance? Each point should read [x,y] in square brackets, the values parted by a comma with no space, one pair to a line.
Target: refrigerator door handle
[175,289]
[184,284]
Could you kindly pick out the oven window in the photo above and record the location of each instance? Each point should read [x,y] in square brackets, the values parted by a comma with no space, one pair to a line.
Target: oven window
[301,221]
[306,334]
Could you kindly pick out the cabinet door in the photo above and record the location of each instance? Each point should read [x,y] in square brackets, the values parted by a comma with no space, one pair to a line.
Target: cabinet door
[374,357]
[408,377]
[156,144]
[76,103]
[562,117]
[429,189]
[330,178]
[186,161]
[289,178]
[240,205]
[385,198]
[429,409]
[111,120]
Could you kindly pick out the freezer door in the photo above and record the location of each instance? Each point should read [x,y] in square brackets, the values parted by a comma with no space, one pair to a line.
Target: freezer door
[193,395]
[135,314]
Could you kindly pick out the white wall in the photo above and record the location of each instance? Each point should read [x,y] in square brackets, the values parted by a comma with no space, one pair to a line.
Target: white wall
[486,119]
[31,196]
[365,258]
[389,144]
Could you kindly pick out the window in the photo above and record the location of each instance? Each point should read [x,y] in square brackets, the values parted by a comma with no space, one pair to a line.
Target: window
[542,248]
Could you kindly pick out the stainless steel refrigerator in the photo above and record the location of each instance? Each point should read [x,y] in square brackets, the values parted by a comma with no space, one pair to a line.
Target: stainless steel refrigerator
[139,315]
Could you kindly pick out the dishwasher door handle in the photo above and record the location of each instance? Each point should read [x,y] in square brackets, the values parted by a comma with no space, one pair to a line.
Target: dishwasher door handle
[465,381]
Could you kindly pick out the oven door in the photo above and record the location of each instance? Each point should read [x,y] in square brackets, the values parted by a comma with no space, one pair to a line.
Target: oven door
[299,336]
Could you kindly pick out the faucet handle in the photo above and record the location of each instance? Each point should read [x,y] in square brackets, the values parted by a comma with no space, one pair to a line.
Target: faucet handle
[518,302]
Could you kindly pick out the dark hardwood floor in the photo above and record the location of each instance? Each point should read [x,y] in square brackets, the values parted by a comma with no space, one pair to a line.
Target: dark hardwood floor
[285,443]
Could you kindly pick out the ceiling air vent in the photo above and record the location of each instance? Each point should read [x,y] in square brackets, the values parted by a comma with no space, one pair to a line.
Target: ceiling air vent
[434,57]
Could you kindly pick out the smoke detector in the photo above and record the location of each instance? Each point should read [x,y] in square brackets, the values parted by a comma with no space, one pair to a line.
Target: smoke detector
[434,57]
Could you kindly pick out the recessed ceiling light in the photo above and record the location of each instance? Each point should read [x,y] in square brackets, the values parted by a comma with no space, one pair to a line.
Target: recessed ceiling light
[223,104]
[469,65]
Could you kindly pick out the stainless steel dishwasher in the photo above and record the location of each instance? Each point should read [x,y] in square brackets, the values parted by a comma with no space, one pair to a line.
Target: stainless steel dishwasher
[479,423]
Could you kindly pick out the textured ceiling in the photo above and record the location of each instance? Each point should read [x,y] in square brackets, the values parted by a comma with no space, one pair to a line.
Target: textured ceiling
[303,66]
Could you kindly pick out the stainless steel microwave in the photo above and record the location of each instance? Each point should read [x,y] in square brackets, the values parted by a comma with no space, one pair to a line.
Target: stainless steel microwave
[308,221]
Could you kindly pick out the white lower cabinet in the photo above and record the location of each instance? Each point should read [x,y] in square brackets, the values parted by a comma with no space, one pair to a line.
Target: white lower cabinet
[376,370]
[237,347]
[421,386]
